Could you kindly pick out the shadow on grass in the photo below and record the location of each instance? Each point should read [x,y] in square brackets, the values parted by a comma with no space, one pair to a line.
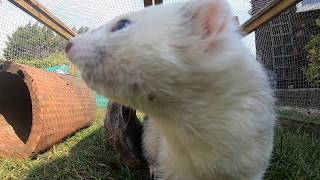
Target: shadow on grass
[91,158]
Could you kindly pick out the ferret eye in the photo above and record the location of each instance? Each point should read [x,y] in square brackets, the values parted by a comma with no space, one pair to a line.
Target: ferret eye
[120,25]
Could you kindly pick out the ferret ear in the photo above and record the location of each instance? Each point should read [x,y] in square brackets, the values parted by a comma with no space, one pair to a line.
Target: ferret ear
[208,18]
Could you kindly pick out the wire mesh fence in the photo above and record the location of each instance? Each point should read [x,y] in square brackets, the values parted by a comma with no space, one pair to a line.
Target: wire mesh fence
[25,40]
[87,15]
[287,46]
[91,13]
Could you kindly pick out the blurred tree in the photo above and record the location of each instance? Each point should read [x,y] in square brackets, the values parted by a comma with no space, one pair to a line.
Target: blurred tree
[312,72]
[34,41]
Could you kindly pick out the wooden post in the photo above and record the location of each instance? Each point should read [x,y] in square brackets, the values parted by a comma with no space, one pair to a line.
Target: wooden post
[274,9]
[147,3]
[150,2]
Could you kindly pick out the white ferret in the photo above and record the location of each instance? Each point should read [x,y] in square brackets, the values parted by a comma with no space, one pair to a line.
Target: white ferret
[210,105]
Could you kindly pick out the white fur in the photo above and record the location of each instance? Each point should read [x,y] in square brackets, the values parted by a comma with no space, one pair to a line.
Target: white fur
[211,108]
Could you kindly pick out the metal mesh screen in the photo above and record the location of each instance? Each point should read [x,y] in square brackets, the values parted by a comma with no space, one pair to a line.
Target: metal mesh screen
[27,41]
[87,15]
[90,13]
[288,47]
[173,1]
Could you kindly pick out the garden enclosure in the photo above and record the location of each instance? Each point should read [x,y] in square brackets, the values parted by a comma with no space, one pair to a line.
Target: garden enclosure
[284,35]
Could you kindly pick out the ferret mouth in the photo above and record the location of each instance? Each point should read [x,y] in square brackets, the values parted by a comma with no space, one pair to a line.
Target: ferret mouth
[91,64]
[93,74]
[89,67]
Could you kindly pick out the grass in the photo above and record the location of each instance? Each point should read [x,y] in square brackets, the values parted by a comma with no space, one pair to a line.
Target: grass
[53,59]
[88,155]
[296,155]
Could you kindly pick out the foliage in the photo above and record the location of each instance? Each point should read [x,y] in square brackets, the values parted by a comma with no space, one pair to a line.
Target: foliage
[32,41]
[51,60]
[312,72]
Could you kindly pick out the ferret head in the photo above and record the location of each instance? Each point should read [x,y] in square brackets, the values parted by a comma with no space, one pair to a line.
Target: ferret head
[158,54]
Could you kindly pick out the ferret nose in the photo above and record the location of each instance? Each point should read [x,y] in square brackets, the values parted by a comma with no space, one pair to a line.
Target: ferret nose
[68,47]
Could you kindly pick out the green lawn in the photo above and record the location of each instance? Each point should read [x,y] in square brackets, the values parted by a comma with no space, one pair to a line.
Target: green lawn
[88,155]
[296,155]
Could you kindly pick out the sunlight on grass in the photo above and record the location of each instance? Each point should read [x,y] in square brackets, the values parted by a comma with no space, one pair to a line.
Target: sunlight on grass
[86,155]
[89,155]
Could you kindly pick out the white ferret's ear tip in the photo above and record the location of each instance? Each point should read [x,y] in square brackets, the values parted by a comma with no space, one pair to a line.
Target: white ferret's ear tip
[211,16]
